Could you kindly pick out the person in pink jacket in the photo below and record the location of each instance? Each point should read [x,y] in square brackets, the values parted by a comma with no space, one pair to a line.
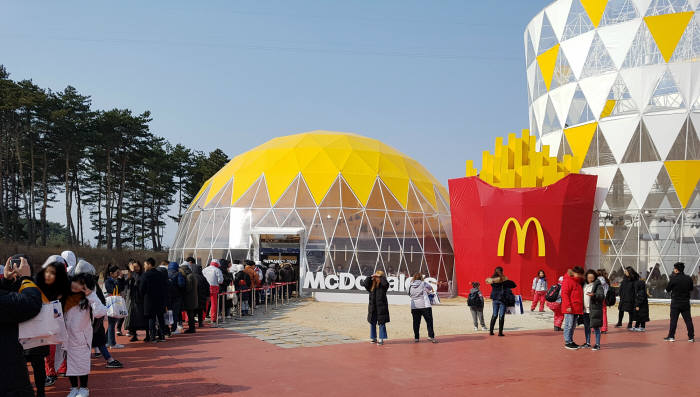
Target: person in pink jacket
[80,307]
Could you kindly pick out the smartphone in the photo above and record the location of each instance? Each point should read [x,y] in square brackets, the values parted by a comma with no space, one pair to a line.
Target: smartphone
[15,262]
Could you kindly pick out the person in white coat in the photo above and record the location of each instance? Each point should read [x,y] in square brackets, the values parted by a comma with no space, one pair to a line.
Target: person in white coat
[81,306]
[215,278]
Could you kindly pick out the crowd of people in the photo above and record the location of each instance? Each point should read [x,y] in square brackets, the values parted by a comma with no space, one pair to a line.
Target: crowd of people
[161,299]
[578,298]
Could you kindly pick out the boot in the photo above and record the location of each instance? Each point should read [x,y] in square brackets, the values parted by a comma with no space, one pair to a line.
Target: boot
[500,325]
[493,323]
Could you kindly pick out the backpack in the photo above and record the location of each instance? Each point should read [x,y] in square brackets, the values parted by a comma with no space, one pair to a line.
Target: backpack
[474,300]
[508,297]
[553,293]
[610,298]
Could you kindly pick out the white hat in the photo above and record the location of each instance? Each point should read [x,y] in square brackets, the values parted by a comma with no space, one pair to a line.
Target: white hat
[70,258]
[53,259]
[84,267]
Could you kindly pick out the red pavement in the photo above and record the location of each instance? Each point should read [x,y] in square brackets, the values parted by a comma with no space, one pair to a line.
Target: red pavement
[217,362]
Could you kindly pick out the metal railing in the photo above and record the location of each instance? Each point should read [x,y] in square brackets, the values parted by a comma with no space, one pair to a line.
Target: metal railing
[277,294]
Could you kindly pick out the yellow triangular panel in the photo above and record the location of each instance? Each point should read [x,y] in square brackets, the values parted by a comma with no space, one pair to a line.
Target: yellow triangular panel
[547,60]
[609,107]
[685,175]
[594,9]
[579,139]
[667,30]
[360,172]
[199,194]
[399,187]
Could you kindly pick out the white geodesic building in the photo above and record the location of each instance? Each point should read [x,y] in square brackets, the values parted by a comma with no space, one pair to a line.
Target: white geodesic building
[616,83]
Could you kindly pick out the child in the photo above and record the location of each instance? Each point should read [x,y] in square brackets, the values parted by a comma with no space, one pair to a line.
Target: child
[539,290]
[556,308]
[80,307]
[475,301]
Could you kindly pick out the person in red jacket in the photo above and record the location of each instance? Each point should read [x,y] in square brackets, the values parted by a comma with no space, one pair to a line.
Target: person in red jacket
[572,304]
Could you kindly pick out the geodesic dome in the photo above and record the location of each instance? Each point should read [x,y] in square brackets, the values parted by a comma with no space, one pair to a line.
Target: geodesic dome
[616,83]
[357,204]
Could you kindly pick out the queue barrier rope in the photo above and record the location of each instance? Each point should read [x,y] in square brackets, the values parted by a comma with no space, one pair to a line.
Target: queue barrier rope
[268,290]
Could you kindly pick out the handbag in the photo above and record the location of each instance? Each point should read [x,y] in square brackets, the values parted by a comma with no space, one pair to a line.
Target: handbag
[46,328]
[116,305]
[434,299]
[169,320]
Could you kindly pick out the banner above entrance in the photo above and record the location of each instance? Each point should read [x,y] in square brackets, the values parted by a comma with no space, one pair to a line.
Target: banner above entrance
[522,230]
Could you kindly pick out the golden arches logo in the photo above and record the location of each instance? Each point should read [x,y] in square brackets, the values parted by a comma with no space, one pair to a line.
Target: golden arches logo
[521,235]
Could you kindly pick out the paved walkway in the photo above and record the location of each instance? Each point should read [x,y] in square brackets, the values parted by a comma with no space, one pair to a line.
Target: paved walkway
[218,362]
[272,328]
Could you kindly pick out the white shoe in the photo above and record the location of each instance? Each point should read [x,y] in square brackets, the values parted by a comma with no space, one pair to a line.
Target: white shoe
[73,392]
[633,329]
[476,328]
[83,392]
[117,346]
[484,329]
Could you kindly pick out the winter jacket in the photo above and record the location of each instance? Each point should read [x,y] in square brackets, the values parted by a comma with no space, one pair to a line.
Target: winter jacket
[641,301]
[213,275]
[19,302]
[135,320]
[99,333]
[112,285]
[153,289]
[190,299]
[270,276]
[79,332]
[680,286]
[572,295]
[202,287]
[500,287]
[593,305]
[378,308]
[539,284]
[627,293]
[176,287]
[287,274]
[480,305]
[418,290]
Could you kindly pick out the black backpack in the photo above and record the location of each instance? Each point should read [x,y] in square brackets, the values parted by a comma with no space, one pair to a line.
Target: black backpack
[553,293]
[474,300]
[610,298]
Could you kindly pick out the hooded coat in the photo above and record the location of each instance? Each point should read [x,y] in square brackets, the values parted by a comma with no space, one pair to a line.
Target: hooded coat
[627,293]
[378,308]
[153,290]
[641,301]
[177,286]
[135,320]
[596,305]
[190,299]
[19,302]
[202,287]
[79,330]
[418,291]
[99,334]
[572,295]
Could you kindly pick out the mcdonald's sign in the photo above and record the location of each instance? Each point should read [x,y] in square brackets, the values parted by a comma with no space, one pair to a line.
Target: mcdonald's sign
[494,226]
[521,235]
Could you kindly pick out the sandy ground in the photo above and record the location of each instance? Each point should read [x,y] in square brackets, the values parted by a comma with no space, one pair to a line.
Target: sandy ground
[451,317]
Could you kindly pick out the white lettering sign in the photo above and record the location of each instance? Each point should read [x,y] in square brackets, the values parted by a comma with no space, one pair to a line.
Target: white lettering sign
[348,282]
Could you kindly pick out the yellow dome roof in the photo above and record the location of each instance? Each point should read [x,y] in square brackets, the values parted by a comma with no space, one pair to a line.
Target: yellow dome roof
[320,156]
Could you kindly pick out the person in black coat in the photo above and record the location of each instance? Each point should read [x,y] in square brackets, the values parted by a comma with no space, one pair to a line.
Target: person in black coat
[627,298]
[20,300]
[135,321]
[242,282]
[501,296]
[641,305]
[378,309]
[99,334]
[223,287]
[154,292]
[680,287]
[202,293]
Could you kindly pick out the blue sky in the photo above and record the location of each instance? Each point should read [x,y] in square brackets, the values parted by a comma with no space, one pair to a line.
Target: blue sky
[438,80]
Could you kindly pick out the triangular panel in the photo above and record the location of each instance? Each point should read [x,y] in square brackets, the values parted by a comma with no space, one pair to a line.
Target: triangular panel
[576,51]
[579,110]
[641,82]
[578,21]
[557,13]
[666,95]
[637,177]
[561,99]
[663,129]
[618,11]
[605,178]
[547,37]
[618,39]
[667,30]
[685,176]
[551,122]
[596,89]
[618,133]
